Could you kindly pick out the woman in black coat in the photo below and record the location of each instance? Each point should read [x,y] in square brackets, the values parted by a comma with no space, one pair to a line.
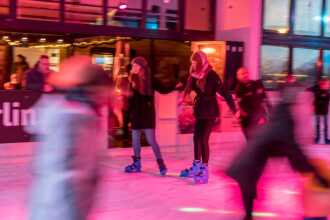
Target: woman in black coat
[206,83]
[142,109]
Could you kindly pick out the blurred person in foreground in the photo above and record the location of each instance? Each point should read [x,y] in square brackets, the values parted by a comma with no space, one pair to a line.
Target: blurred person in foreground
[69,134]
[276,139]
[252,101]
[316,198]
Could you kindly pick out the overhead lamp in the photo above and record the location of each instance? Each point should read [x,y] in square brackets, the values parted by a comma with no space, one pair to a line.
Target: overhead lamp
[209,50]
[60,41]
[322,18]
[122,6]
[5,38]
[24,39]
[42,40]
[283,30]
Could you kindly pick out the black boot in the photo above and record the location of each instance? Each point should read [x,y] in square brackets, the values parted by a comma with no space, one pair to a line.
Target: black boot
[322,181]
[162,167]
[135,167]
[317,131]
[326,140]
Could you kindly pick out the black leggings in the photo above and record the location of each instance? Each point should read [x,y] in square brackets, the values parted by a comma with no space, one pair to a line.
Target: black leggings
[203,129]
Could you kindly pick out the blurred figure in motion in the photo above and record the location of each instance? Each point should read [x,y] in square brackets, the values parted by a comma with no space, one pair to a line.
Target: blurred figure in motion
[121,102]
[69,135]
[252,101]
[316,198]
[276,139]
[126,93]
[143,115]
[321,109]
[14,83]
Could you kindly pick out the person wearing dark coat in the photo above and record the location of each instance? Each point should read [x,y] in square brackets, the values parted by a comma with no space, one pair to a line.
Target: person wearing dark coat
[321,109]
[252,101]
[36,77]
[20,67]
[276,139]
[206,83]
[143,115]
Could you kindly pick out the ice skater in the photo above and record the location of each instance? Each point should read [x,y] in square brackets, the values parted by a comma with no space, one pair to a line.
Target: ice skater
[142,109]
[206,83]
[276,139]
[69,131]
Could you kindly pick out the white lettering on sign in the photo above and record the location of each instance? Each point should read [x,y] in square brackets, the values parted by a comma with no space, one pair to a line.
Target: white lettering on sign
[13,115]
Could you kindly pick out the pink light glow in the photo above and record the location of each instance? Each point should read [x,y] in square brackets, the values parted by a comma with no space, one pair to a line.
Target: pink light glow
[122,6]
[192,209]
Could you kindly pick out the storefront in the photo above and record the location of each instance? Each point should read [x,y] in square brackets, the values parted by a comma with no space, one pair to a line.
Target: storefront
[112,32]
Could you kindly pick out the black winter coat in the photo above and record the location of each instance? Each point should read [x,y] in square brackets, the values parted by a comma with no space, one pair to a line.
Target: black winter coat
[205,103]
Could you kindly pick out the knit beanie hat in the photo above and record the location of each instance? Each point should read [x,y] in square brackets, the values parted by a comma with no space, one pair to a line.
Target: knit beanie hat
[140,61]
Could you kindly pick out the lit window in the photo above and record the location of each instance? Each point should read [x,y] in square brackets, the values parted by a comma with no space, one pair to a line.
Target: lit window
[274,65]
[304,63]
[276,15]
[308,17]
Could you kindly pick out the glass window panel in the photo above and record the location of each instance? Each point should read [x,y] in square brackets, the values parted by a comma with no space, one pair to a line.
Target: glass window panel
[38,10]
[85,12]
[162,15]
[308,17]
[128,16]
[4,7]
[304,61]
[131,4]
[274,65]
[276,15]
[327,19]
[326,63]
[197,15]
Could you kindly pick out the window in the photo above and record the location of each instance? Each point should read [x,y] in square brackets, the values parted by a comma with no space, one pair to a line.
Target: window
[326,63]
[4,7]
[162,15]
[86,12]
[326,19]
[197,15]
[299,50]
[274,64]
[276,15]
[308,17]
[129,15]
[38,10]
[304,61]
